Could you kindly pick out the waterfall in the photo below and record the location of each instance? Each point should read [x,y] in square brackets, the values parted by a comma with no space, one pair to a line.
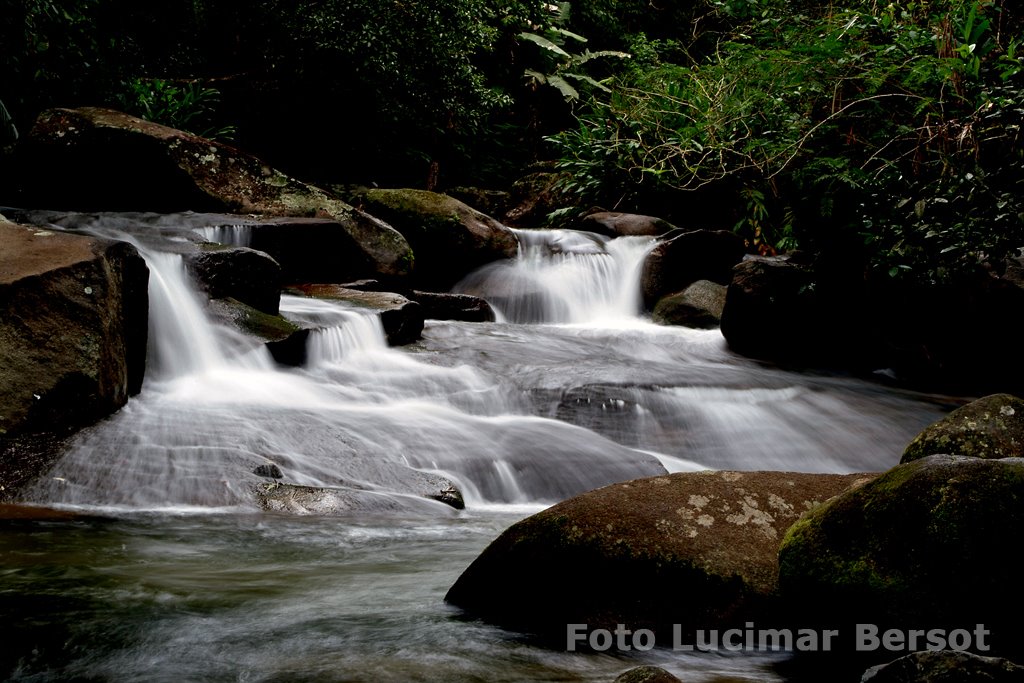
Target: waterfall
[374,423]
[564,276]
[182,341]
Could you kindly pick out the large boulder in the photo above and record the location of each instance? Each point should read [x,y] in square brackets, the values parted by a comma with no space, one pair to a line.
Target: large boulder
[927,545]
[345,247]
[450,239]
[402,319]
[73,330]
[697,549]
[247,275]
[646,674]
[770,309]
[616,224]
[99,159]
[991,427]
[699,305]
[687,257]
[945,666]
[471,309]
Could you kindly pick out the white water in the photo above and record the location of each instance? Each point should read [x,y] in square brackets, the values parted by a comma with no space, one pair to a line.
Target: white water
[565,276]
[516,415]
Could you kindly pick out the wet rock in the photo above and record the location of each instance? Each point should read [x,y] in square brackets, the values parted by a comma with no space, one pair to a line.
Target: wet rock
[615,224]
[926,545]
[73,330]
[320,249]
[268,470]
[946,666]
[697,549]
[490,202]
[322,500]
[991,427]
[450,496]
[246,275]
[533,198]
[700,305]
[96,159]
[462,307]
[402,319]
[449,238]
[647,674]
[285,340]
[685,258]
[770,310]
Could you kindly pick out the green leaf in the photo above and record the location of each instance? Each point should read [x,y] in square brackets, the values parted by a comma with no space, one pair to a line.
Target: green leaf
[544,43]
[568,92]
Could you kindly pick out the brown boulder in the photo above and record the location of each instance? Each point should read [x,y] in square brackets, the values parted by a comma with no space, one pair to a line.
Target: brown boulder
[687,257]
[450,239]
[73,330]
[98,159]
[698,549]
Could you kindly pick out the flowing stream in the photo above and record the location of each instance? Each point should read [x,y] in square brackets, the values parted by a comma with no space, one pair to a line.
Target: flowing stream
[169,570]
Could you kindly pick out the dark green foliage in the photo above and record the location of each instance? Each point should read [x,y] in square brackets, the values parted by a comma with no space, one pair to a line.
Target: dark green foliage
[893,131]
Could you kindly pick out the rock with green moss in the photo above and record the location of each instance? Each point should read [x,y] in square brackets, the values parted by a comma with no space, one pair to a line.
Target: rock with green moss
[449,238]
[647,674]
[698,549]
[700,305]
[93,159]
[285,340]
[945,666]
[929,544]
[991,427]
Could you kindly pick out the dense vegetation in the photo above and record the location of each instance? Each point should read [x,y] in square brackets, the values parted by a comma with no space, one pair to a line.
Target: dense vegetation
[890,132]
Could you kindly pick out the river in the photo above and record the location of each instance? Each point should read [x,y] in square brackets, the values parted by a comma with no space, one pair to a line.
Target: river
[170,571]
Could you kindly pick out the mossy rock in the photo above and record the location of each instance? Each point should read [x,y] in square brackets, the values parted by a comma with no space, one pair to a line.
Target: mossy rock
[991,427]
[929,544]
[698,549]
[700,305]
[449,238]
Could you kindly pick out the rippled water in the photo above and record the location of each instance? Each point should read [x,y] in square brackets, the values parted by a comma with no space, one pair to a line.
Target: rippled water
[175,574]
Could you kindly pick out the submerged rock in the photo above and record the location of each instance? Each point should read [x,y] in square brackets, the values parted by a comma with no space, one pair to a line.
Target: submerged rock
[929,544]
[450,239]
[700,305]
[698,549]
[991,427]
[73,330]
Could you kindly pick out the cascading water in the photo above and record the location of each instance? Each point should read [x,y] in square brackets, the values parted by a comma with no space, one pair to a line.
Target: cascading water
[515,415]
[564,276]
